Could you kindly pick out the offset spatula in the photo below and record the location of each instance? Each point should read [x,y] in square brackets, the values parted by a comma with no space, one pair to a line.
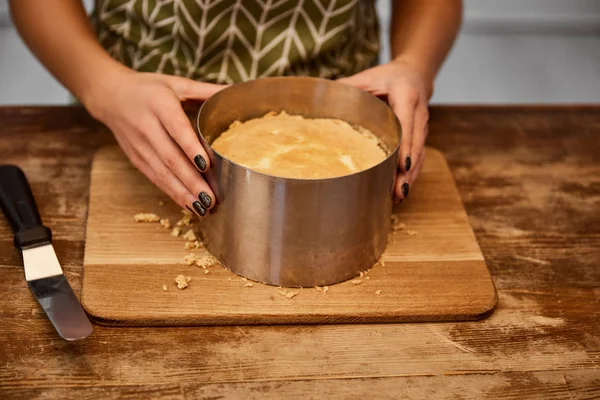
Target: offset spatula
[42,270]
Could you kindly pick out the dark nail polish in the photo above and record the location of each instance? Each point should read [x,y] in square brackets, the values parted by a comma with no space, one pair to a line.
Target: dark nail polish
[407,163]
[200,162]
[199,209]
[405,189]
[205,199]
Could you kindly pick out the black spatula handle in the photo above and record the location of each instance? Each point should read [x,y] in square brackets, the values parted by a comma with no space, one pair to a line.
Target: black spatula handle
[18,205]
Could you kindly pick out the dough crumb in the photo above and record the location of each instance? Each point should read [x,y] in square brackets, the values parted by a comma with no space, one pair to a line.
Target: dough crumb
[325,290]
[382,263]
[146,217]
[186,219]
[205,261]
[318,288]
[368,277]
[357,282]
[399,226]
[206,272]
[190,236]
[161,203]
[411,233]
[377,292]
[165,288]
[362,274]
[244,279]
[192,245]
[249,284]
[190,259]
[175,232]
[289,295]
[395,224]
[182,281]
[166,223]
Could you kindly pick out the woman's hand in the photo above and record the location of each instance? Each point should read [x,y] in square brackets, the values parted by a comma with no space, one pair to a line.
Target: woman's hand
[144,112]
[407,93]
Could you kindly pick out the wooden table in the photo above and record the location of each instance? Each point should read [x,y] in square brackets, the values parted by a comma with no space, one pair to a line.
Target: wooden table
[530,180]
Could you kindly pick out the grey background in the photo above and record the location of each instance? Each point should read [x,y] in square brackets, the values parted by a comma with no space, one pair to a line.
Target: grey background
[508,51]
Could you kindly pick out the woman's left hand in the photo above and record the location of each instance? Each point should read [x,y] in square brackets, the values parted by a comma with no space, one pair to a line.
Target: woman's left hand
[408,94]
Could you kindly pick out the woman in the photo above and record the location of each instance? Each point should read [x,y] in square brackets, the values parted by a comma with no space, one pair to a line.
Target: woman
[133,66]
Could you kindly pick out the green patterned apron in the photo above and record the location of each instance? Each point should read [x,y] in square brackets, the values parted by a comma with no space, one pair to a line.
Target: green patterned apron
[230,41]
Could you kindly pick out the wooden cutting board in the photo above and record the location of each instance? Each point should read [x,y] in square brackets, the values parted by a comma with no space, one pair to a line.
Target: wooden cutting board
[434,269]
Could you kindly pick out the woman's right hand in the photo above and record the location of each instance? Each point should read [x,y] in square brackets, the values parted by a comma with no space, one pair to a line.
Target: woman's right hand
[144,112]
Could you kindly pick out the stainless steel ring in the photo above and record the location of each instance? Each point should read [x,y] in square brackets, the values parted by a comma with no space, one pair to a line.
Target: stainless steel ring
[292,232]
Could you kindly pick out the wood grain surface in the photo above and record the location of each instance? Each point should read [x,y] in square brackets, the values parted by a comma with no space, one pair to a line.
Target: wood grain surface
[530,181]
[438,274]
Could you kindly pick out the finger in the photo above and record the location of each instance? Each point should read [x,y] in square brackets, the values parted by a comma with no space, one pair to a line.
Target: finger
[404,102]
[145,159]
[175,160]
[420,131]
[189,89]
[360,80]
[402,187]
[414,173]
[404,181]
[178,126]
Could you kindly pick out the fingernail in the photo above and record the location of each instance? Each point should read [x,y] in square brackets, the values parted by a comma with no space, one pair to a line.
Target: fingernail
[205,199]
[407,163]
[201,211]
[405,189]
[200,163]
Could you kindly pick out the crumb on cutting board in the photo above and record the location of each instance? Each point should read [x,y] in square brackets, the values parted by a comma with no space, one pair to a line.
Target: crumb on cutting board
[288,294]
[205,261]
[166,223]
[190,258]
[192,245]
[161,203]
[377,292]
[165,288]
[175,232]
[322,289]
[357,282]
[146,217]
[186,219]
[411,233]
[190,236]
[249,284]
[182,281]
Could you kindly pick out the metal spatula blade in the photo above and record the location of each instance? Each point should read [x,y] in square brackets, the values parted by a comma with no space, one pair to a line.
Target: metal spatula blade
[53,292]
